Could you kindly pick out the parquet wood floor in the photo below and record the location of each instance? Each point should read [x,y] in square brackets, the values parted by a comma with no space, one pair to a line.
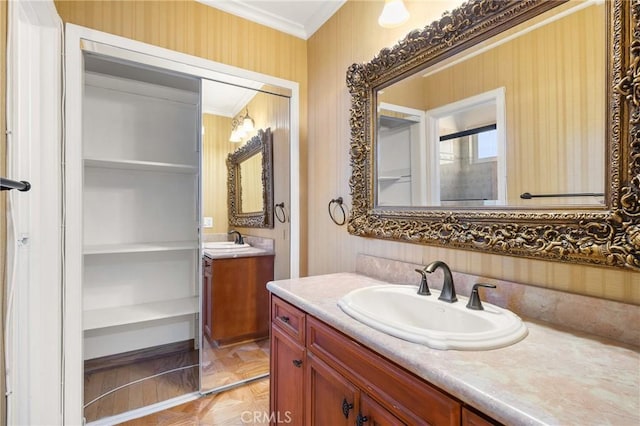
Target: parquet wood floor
[231,364]
[220,367]
[246,405]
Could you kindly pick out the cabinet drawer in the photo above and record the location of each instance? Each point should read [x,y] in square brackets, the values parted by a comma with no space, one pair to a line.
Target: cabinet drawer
[406,396]
[288,318]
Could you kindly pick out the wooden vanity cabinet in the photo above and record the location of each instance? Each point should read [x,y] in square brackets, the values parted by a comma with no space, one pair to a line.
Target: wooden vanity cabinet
[346,383]
[330,399]
[288,359]
[236,300]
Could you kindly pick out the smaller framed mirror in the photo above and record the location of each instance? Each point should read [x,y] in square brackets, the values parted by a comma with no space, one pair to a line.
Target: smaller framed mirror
[250,182]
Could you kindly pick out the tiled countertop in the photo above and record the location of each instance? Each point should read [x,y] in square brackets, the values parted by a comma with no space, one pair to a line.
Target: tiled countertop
[554,376]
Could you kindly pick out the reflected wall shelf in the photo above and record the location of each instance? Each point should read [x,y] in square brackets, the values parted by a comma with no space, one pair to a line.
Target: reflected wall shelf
[122,315]
[140,165]
[139,247]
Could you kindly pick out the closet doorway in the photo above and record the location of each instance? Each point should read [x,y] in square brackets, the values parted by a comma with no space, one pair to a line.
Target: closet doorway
[90,181]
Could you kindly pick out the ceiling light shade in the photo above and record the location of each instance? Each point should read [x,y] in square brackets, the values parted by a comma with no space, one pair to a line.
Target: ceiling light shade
[394,14]
[247,122]
[236,134]
[235,137]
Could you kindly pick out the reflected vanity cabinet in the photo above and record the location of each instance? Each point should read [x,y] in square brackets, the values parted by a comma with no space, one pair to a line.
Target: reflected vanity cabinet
[140,208]
[319,376]
[235,300]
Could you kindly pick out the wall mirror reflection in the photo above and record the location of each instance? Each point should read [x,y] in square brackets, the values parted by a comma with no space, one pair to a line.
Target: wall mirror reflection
[239,188]
[251,187]
[462,137]
[250,182]
[549,145]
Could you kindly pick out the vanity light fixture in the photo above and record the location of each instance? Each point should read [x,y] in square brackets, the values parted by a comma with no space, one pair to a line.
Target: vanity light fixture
[247,122]
[393,14]
[237,133]
[241,126]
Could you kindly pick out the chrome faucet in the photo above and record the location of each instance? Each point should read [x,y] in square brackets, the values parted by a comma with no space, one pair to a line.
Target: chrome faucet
[238,237]
[448,292]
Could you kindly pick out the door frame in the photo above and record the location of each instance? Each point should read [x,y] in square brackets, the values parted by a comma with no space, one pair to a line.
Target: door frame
[77,39]
[33,333]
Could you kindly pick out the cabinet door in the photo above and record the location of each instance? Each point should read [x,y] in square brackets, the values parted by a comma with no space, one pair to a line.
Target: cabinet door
[206,298]
[374,414]
[330,398]
[470,418]
[287,379]
[241,299]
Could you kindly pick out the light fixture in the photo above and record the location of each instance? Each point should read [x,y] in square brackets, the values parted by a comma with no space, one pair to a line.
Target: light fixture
[247,122]
[393,14]
[241,126]
[236,133]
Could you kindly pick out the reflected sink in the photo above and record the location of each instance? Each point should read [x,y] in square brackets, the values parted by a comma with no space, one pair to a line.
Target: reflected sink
[397,310]
[225,245]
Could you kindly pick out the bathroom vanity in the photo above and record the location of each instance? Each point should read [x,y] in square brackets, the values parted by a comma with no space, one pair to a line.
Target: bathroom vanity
[235,301]
[351,373]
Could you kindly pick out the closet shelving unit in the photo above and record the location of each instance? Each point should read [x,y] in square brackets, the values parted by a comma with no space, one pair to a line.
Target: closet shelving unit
[141,172]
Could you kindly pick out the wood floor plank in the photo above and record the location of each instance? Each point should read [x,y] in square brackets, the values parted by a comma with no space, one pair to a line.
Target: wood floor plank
[121,397]
[222,366]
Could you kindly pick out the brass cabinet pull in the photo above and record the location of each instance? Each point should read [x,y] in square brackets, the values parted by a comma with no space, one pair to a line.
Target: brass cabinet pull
[284,319]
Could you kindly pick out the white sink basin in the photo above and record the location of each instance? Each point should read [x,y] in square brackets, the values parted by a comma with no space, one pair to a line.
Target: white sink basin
[225,245]
[397,310]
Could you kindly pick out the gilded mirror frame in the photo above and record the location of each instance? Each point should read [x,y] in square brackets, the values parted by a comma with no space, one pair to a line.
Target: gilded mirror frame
[609,237]
[262,142]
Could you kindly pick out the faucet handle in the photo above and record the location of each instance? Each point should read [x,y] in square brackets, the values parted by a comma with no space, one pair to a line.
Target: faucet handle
[474,299]
[424,287]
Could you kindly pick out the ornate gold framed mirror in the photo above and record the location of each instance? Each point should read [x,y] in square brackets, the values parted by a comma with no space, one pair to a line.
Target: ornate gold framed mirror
[250,182]
[597,223]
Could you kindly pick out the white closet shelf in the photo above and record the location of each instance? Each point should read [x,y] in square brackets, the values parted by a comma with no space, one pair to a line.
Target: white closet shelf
[392,178]
[139,247]
[149,166]
[122,315]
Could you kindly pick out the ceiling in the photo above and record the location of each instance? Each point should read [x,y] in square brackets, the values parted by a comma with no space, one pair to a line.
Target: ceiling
[300,18]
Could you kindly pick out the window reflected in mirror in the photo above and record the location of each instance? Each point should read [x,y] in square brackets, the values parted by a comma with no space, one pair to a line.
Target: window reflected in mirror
[554,127]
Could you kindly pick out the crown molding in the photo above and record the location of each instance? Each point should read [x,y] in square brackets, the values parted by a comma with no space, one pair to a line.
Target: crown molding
[277,22]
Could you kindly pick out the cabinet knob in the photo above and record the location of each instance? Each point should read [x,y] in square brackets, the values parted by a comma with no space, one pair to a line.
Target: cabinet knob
[297,363]
[346,407]
[284,319]
[361,419]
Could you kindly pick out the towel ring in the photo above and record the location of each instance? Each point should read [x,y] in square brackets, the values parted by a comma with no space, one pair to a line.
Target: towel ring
[337,201]
[283,218]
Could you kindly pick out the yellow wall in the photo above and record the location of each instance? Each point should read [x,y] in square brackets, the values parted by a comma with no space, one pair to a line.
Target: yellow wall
[215,148]
[540,130]
[352,35]
[195,29]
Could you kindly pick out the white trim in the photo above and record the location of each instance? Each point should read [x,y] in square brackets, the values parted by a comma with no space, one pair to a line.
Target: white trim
[277,22]
[78,38]
[433,115]
[34,252]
